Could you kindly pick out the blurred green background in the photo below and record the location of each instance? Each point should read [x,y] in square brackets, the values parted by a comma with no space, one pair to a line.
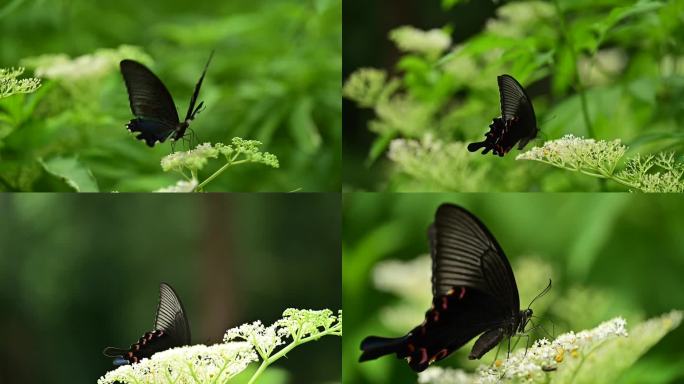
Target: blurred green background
[609,69]
[275,77]
[608,255]
[79,273]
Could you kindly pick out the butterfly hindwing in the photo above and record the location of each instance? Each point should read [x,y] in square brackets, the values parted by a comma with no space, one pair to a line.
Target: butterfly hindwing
[453,320]
[517,124]
[171,329]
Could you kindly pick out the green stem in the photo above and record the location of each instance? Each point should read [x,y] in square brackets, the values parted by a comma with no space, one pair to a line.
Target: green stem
[297,341]
[215,174]
[578,81]
[590,173]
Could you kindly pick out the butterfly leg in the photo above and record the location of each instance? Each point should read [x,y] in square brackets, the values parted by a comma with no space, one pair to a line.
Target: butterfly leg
[496,356]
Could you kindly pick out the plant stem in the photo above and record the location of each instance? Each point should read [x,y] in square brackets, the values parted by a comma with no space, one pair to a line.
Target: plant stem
[270,359]
[578,81]
[215,174]
[600,175]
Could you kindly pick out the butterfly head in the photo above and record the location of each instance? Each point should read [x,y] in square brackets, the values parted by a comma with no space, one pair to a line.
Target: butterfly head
[525,316]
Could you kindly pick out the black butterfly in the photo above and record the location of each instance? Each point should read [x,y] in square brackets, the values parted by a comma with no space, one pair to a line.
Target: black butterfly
[156,118]
[517,123]
[474,293]
[171,329]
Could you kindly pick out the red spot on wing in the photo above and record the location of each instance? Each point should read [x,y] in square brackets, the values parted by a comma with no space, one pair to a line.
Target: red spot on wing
[441,354]
[423,356]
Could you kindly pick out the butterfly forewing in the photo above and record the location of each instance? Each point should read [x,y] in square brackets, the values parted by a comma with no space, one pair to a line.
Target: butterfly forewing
[516,105]
[195,94]
[464,253]
[148,96]
[171,316]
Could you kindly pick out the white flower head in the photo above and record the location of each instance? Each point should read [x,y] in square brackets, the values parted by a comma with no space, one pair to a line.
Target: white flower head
[193,159]
[85,67]
[10,85]
[297,324]
[264,339]
[410,39]
[182,186]
[578,153]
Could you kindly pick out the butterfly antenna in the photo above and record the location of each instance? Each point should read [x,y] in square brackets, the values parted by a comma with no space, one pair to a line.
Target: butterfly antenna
[201,107]
[542,293]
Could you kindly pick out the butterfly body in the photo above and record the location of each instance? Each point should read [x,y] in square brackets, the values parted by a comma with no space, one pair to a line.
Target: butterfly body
[156,118]
[517,124]
[474,293]
[171,329]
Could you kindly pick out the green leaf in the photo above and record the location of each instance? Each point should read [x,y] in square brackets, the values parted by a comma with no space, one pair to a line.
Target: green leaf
[303,128]
[72,172]
[379,146]
[608,360]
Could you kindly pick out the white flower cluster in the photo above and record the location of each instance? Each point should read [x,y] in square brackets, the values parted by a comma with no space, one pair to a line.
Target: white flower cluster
[532,364]
[263,339]
[365,86]
[439,375]
[296,324]
[10,85]
[407,279]
[88,66]
[577,153]
[432,42]
[438,165]
[193,364]
[182,186]
[195,159]
[192,159]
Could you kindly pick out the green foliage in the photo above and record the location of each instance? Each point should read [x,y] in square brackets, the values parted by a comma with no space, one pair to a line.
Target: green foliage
[597,69]
[653,173]
[274,78]
[72,172]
